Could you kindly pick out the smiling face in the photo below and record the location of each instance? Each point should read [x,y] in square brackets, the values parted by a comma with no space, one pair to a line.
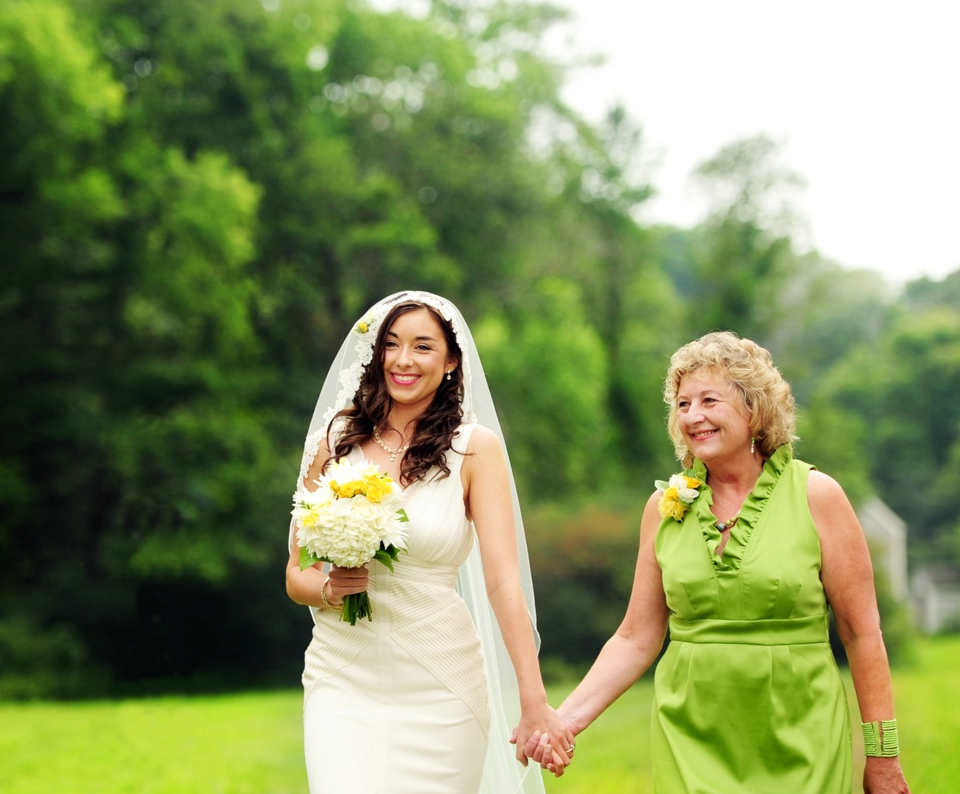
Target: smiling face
[416,358]
[712,417]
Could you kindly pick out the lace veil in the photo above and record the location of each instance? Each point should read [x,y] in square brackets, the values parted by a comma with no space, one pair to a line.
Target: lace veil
[502,773]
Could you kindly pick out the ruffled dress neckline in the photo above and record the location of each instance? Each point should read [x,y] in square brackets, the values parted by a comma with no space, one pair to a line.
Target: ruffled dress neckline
[750,512]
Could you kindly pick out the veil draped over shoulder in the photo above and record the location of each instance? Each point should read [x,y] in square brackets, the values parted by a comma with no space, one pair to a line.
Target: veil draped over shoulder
[502,774]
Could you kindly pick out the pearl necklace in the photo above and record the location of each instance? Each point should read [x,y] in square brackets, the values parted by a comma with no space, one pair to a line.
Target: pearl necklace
[389,450]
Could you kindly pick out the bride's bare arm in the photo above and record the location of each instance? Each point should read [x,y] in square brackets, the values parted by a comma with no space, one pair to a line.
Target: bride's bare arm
[489,505]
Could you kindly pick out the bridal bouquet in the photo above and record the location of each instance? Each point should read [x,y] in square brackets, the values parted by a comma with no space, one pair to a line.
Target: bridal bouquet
[355,515]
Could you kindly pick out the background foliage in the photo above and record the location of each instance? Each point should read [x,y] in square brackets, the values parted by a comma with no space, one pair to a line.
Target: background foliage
[196,200]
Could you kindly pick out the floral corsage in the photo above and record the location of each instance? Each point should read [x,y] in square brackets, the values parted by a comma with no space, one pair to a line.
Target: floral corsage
[678,494]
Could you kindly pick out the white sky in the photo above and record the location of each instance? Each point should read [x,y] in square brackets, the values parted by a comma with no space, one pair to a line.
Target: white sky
[864,95]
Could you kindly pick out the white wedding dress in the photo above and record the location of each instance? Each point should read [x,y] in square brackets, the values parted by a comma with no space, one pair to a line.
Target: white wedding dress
[399,704]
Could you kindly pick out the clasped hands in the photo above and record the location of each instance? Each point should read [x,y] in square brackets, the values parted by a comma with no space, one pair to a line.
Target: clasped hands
[552,747]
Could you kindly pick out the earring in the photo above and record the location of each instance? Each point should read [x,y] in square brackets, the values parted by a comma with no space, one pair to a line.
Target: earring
[448,376]
[753,445]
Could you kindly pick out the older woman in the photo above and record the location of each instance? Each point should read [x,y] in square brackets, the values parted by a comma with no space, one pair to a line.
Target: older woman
[740,557]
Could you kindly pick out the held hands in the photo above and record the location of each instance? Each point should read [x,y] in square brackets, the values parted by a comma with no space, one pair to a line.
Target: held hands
[552,747]
[543,749]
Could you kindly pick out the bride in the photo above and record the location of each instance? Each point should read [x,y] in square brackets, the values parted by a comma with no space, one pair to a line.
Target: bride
[420,697]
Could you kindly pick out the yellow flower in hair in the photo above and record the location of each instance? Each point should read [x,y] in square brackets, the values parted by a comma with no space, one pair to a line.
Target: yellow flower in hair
[364,325]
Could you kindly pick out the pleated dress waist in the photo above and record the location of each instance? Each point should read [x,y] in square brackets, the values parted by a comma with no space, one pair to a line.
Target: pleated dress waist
[808,630]
[410,569]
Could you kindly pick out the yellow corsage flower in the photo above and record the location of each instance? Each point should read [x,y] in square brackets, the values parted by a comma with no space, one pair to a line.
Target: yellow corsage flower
[678,494]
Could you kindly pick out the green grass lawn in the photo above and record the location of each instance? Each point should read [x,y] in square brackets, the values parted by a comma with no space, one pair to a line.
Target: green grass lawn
[239,744]
[250,744]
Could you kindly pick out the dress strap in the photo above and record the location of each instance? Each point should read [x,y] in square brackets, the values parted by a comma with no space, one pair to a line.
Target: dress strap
[461,437]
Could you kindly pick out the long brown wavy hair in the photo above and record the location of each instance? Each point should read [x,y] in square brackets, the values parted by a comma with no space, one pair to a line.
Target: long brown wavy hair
[434,431]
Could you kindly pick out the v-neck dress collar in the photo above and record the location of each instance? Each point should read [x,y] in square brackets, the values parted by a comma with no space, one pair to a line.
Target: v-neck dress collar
[750,512]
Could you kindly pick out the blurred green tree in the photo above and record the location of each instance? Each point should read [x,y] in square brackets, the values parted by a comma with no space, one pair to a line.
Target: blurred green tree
[550,359]
[743,250]
[200,199]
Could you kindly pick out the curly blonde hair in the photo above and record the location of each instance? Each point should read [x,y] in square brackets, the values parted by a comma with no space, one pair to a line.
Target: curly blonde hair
[758,384]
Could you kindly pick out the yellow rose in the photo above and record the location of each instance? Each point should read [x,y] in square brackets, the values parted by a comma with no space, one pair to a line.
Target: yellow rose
[377,488]
[346,490]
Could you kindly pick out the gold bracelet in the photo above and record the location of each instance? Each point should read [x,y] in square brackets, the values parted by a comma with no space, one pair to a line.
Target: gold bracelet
[880,739]
[323,595]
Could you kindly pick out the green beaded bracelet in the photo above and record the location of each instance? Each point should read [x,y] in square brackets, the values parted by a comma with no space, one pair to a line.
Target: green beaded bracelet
[880,738]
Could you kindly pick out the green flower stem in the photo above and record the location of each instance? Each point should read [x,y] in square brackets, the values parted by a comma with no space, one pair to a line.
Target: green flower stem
[355,607]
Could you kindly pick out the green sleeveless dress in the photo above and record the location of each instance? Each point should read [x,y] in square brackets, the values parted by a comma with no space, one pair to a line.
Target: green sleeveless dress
[748,697]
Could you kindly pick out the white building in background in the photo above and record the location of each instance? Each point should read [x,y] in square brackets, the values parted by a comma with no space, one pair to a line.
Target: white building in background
[887,536]
[933,591]
[936,598]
